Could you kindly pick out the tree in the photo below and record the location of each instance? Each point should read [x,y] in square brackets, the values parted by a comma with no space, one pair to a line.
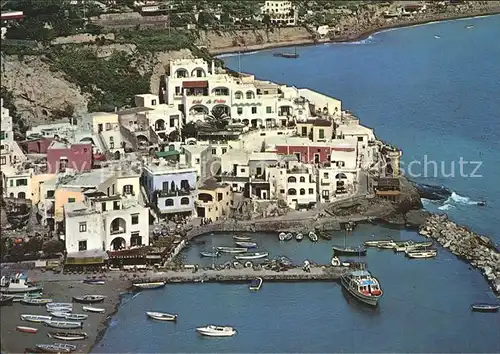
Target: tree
[53,246]
[218,119]
[189,130]
[174,136]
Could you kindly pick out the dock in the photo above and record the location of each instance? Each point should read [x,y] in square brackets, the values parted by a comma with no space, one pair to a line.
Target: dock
[232,275]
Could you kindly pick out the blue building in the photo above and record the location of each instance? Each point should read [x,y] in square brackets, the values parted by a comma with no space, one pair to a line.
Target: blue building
[171,188]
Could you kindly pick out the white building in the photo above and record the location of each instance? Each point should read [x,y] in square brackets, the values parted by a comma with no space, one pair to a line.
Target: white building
[10,152]
[200,157]
[196,89]
[281,13]
[103,130]
[17,182]
[105,223]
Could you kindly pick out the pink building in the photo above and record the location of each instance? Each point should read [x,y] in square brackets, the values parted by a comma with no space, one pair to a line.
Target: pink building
[61,156]
[38,146]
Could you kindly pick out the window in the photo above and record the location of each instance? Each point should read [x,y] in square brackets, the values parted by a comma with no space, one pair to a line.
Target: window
[113,189]
[128,189]
[50,194]
[325,175]
[169,202]
[12,183]
[108,127]
[302,179]
[116,205]
[259,171]
[292,179]
[214,151]
[239,110]
[82,245]
[197,161]
[322,133]
[242,170]
[3,160]
[325,193]
[153,102]
[360,138]
[103,206]
[254,110]
[311,191]
[269,109]
[164,186]
[224,150]
[21,182]
[282,191]
[304,131]
[302,191]
[219,197]
[135,219]
[184,201]
[82,227]
[71,200]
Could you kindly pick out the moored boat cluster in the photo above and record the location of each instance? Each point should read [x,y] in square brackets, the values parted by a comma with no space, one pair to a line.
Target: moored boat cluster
[478,250]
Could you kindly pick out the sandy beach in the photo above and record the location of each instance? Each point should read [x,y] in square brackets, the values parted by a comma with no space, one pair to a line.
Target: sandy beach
[60,288]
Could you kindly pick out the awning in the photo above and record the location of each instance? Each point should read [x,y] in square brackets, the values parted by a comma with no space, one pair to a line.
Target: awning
[195,84]
[167,153]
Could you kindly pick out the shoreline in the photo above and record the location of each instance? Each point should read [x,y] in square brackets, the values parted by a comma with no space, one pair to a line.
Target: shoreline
[305,42]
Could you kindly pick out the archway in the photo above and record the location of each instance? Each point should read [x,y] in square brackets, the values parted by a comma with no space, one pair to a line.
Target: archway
[220,91]
[198,72]
[181,73]
[184,201]
[142,140]
[292,179]
[341,175]
[118,243]
[250,95]
[21,195]
[238,95]
[292,191]
[199,110]
[160,125]
[221,108]
[205,197]
[135,240]
[118,226]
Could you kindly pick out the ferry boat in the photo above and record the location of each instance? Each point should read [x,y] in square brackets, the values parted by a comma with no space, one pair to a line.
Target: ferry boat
[363,286]
[17,284]
[255,284]
[161,316]
[89,299]
[68,336]
[216,331]
[254,255]
[232,249]
[246,244]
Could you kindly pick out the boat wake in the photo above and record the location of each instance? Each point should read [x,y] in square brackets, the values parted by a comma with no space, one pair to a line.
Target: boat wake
[227,55]
[450,203]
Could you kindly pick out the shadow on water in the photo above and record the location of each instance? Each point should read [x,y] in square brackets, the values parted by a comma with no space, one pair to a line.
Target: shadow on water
[358,306]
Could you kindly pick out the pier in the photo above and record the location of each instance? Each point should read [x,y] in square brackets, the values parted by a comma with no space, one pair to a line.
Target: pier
[232,275]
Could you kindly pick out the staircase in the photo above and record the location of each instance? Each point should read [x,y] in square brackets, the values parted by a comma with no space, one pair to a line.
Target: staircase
[104,147]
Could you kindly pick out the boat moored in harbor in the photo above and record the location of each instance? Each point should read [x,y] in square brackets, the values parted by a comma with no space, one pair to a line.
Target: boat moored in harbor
[76,316]
[63,324]
[209,254]
[484,307]
[313,237]
[288,236]
[35,318]
[25,329]
[232,249]
[68,336]
[94,281]
[282,236]
[17,284]
[161,316]
[255,284]
[421,254]
[363,286]
[57,347]
[375,243]
[6,300]
[299,237]
[349,251]
[35,302]
[150,285]
[89,299]
[93,309]
[253,255]
[216,331]
[246,244]
[242,238]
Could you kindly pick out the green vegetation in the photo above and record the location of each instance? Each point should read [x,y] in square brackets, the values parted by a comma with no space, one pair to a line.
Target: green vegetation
[8,102]
[156,40]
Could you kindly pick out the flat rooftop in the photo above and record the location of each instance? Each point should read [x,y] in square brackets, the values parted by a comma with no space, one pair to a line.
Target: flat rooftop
[162,169]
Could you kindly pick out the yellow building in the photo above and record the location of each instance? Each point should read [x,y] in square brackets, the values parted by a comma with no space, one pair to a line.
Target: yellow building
[214,200]
[317,130]
[36,184]
[65,195]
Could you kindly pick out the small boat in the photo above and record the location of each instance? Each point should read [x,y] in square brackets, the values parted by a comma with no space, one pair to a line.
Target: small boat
[6,300]
[246,244]
[483,307]
[59,305]
[242,238]
[19,297]
[36,302]
[375,243]
[216,331]
[27,329]
[411,246]
[335,262]
[232,249]
[253,255]
[89,299]
[59,314]
[481,203]
[437,37]
[161,316]
[469,26]
[350,251]
[150,285]
[255,284]
[287,55]
[325,236]
[36,318]
[76,316]
[57,347]
[282,236]
[94,282]
[17,284]
[63,324]
[209,254]
[288,236]
[299,237]
[93,309]
[68,336]
[421,254]
[313,237]
[363,286]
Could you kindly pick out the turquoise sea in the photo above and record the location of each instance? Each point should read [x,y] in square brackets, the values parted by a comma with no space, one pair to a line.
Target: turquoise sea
[432,90]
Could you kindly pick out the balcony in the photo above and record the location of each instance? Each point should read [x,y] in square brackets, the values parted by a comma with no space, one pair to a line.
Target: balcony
[175,193]
[117,231]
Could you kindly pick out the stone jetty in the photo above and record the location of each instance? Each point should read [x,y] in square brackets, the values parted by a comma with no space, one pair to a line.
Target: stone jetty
[476,249]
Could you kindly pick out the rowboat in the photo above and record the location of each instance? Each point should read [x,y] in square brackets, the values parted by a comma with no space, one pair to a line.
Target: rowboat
[242,238]
[351,251]
[254,255]
[483,307]
[299,237]
[150,285]
[232,249]
[282,236]
[313,237]
[246,244]
[209,254]
[36,302]
[216,331]
[19,297]
[375,243]
[64,324]
[76,316]
[58,314]
[288,236]
[161,316]
[57,347]
[255,284]
[68,336]
[93,309]
[6,300]
[52,305]
[89,299]
[94,281]
[421,254]
[35,318]
[27,329]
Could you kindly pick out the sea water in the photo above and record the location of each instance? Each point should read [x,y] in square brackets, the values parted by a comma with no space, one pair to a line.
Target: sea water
[434,97]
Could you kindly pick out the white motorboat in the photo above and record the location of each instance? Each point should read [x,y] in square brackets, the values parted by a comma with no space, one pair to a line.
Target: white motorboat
[313,237]
[282,236]
[412,245]
[232,249]
[17,284]
[246,244]
[255,284]
[93,309]
[254,255]
[363,286]
[216,331]
[242,238]
[161,316]
[64,310]
[375,243]
[421,254]
[288,236]
[63,324]
[35,318]
[299,237]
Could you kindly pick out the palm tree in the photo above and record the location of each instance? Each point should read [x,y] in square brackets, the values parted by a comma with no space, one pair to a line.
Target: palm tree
[218,119]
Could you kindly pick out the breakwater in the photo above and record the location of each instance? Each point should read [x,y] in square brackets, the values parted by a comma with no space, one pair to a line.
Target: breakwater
[476,249]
